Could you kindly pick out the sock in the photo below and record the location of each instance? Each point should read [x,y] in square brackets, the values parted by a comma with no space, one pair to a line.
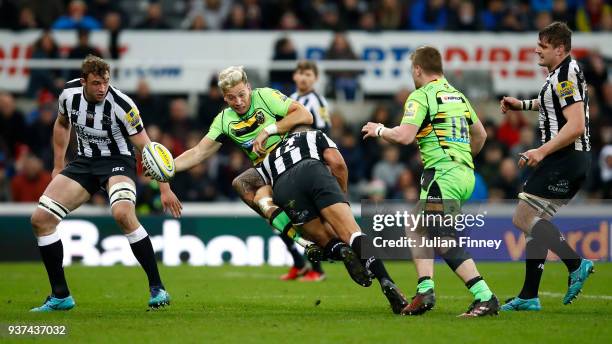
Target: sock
[424,284]
[317,267]
[535,254]
[298,260]
[280,221]
[332,249]
[551,237]
[143,251]
[479,288]
[52,253]
[374,265]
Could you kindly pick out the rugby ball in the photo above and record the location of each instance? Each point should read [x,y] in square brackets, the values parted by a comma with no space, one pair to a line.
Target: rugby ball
[158,162]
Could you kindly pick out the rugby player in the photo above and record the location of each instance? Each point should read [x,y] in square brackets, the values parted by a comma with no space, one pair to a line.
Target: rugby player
[107,125]
[561,165]
[449,133]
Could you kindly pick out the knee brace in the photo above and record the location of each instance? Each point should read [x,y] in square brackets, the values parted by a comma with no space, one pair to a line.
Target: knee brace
[542,205]
[52,207]
[123,191]
[455,256]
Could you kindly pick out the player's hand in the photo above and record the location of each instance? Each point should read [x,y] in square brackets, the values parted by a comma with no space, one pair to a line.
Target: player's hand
[56,171]
[509,103]
[369,130]
[259,145]
[171,203]
[531,158]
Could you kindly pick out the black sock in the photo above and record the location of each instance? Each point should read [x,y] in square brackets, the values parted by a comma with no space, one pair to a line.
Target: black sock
[332,249]
[143,251]
[298,260]
[52,256]
[316,266]
[375,265]
[545,232]
[535,257]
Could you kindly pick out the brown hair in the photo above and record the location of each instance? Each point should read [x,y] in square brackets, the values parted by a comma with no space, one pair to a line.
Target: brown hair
[428,58]
[95,65]
[556,34]
[304,65]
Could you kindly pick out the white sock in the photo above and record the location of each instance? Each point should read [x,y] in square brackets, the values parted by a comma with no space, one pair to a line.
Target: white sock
[353,236]
[137,235]
[48,239]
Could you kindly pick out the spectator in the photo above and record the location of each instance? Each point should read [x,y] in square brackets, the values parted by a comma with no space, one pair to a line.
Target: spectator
[26,20]
[353,156]
[592,15]
[196,22]
[282,80]
[543,19]
[210,104]
[489,169]
[606,101]
[253,13]
[561,12]
[5,185]
[389,15]
[195,185]
[507,180]
[605,166]
[595,72]
[367,22]
[154,19]
[236,164]
[214,12]
[389,168]
[344,82]
[429,15]
[40,133]
[463,17]
[492,17]
[81,51]
[100,9]
[508,132]
[153,108]
[350,11]
[45,12]
[12,124]
[236,20]
[289,21]
[50,80]
[112,23]
[76,18]
[179,123]
[31,181]
[330,19]
[405,181]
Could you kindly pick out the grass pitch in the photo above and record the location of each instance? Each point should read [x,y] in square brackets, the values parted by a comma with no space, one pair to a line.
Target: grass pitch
[250,305]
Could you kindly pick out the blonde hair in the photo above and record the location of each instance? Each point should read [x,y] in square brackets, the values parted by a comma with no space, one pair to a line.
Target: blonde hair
[231,76]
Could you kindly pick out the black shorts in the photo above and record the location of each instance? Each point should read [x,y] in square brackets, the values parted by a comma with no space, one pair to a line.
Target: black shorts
[93,173]
[559,176]
[305,189]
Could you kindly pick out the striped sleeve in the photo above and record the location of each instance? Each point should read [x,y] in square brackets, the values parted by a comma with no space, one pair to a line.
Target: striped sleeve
[61,104]
[127,112]
[324,142]
[567,85]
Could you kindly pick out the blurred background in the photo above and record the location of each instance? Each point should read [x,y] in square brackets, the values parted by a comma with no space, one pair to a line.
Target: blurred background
[165,54]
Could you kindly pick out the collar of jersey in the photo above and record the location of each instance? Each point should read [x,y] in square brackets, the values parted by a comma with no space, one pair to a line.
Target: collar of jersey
[565,60]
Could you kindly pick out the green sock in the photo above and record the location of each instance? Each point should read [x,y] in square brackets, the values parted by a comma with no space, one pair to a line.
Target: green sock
[425,285]
[280,221]
[481,291]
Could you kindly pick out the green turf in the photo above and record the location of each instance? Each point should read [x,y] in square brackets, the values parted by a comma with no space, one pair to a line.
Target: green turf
[250,304]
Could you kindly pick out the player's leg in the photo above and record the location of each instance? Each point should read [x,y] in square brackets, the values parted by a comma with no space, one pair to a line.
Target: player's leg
[61,196]
[122,198]
[246,185]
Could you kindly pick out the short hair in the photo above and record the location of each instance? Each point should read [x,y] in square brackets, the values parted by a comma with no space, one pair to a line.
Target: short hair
[304,65]
[94,65]
[428,58]
[556,34]
[231,76]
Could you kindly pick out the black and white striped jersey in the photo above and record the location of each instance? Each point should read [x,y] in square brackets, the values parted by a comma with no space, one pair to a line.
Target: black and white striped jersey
[295,147]
[102,129]
[317,105]
[564,86]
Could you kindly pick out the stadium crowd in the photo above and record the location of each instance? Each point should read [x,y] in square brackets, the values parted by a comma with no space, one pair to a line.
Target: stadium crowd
[376,169]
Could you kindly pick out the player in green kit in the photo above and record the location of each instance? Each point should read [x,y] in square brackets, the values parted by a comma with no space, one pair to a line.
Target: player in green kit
[256,120]
[449,134]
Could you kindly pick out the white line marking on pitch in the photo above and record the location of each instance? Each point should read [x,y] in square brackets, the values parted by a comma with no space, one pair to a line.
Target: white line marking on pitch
[586,296]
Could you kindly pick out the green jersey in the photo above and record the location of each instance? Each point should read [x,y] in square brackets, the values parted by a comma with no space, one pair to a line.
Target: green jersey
[443,115]
[267,107]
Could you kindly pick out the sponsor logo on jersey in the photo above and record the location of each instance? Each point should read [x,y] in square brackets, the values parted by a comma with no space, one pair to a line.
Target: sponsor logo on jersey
[565,89]
[447,98]
[411,108]
[133,118]
[279,95]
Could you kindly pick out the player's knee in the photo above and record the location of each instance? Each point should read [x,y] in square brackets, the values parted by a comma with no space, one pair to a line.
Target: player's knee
[47,215]
[124,215]
[40,221]
[455,256]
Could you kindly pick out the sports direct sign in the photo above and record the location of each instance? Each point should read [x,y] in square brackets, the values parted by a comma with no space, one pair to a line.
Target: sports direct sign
[179,61]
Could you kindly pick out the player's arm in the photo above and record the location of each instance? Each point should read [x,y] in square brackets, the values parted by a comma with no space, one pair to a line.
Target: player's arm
[337,166]
[403,134]
[169,200]
[193,156]
[570,132]
[511,103]
[297,114]
[61,139]
[478,136]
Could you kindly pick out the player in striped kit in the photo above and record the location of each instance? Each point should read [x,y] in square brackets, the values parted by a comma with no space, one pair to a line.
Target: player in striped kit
[107,126]
[314,199]
[561,165]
